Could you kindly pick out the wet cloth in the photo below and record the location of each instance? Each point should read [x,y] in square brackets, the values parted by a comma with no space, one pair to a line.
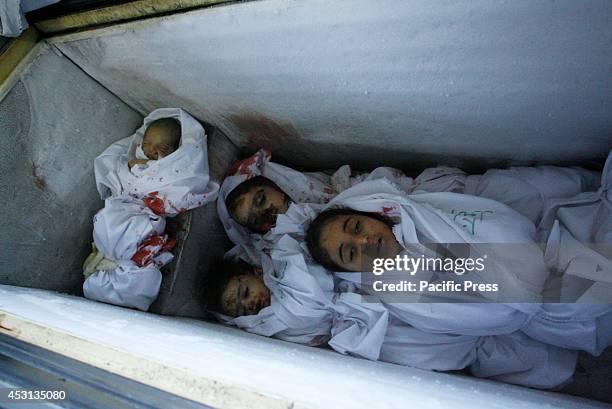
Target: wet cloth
[170,185]
[524,189]
[130,247]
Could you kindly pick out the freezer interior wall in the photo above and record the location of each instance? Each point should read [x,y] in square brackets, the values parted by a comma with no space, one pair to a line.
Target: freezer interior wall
[370,83]
[53,121]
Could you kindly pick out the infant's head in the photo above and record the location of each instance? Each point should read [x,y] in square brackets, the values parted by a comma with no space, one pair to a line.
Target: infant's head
[349,240]
[236,289]
[161,138]
[256,202]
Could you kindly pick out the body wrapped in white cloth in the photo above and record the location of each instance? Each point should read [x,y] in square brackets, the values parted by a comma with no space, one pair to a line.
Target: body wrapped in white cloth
[306,307]
[130,247]
[169,185]
[524,189]
[300,187]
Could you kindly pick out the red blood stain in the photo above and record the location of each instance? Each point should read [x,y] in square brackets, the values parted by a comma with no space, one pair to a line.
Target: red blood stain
[155,203]
[246,166]
[147,250]
[386,209]
[169,245]
[242,167]
[265,132]
[328,190]
[268,226]
[151,247]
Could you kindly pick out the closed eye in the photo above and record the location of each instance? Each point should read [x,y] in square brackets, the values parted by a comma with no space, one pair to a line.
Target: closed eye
[259,199]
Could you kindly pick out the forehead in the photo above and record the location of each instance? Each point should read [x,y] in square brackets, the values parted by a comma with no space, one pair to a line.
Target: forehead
[332,233]
[156,134]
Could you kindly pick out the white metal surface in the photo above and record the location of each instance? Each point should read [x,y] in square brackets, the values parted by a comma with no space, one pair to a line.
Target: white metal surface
[401,83]
[225,367]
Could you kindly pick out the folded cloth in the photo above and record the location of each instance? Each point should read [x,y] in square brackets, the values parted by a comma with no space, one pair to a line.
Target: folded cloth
[578,236]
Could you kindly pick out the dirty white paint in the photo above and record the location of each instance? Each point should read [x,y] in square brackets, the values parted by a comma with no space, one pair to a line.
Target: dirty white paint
[234,361]
[406,83]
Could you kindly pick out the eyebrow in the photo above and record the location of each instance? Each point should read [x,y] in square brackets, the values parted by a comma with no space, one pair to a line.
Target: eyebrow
[340,252]
[345,223]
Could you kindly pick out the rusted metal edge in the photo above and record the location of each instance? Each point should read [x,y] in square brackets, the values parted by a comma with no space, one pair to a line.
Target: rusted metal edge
[119,13]
[16,51]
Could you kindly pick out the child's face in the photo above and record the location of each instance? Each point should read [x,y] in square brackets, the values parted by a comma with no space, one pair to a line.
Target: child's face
[258,207]
[354,241]
[244,294]
[157,143]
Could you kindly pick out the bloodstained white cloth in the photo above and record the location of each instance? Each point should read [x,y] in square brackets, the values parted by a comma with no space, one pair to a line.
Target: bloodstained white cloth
[170,185]
[301,187]
[132,248]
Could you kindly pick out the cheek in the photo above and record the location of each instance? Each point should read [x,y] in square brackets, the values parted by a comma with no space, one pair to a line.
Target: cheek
[379,228]
[276,200]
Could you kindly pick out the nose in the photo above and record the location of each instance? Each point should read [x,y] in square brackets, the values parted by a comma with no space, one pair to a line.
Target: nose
[369,240]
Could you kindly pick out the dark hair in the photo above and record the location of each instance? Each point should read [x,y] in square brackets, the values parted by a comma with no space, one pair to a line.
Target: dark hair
[313,235]
[171,125]
[258,181]
[218,278]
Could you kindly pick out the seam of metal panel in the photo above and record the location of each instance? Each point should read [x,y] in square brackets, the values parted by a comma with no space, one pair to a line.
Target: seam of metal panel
[135,10]
[175,380]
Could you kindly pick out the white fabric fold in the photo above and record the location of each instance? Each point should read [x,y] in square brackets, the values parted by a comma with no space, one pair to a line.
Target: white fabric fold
[524,189]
